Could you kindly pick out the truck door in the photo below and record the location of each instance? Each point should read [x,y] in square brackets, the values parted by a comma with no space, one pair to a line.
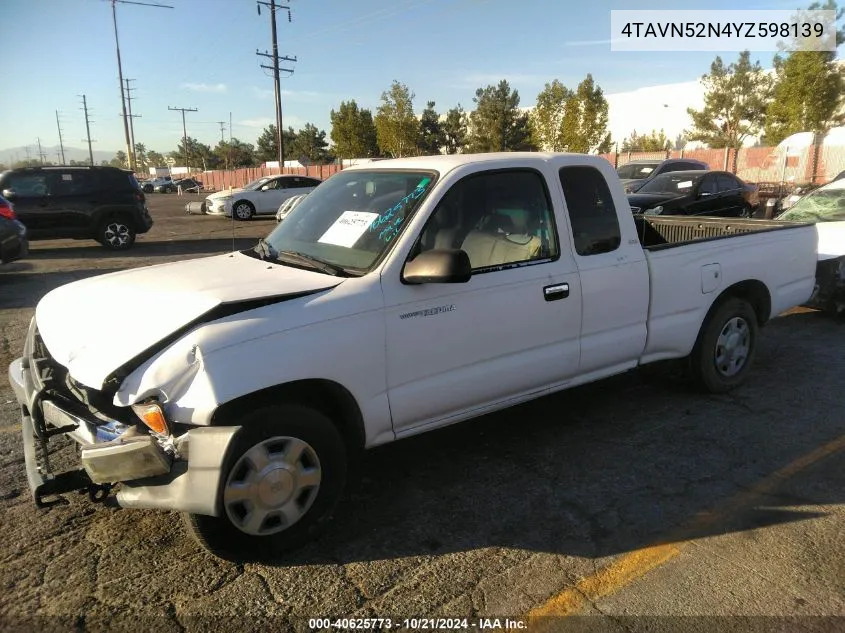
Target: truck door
[512,330]
[613,271]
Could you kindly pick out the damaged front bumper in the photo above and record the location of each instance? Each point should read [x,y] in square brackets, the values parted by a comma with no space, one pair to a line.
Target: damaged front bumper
[185,479]
[829,293]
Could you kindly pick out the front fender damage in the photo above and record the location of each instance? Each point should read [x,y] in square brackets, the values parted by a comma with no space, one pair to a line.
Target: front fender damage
[192,483]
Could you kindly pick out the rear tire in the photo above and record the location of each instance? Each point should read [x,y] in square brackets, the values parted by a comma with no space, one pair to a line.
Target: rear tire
[280,483]
[116,233]
[727,342]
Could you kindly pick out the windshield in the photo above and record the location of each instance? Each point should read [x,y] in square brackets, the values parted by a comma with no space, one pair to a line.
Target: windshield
[822,205]
[350,219]
[678,184]
[256,184]
[636,171]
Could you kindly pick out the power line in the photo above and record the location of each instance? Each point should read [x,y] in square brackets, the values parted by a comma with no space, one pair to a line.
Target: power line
[61,143]
[184,130]
[88,129]
[275,68]
[129,148]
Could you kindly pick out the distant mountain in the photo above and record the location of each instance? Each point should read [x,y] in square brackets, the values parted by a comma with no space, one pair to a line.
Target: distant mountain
[8,156]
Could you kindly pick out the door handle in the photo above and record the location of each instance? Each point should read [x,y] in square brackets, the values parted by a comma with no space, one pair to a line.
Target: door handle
[555,292]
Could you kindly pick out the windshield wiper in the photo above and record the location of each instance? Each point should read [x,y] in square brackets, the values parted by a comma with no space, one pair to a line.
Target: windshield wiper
[322,265]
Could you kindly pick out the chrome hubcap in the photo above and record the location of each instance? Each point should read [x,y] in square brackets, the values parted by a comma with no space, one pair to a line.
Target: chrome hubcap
[272,486]
[116,234]
[733,346]
[243,211]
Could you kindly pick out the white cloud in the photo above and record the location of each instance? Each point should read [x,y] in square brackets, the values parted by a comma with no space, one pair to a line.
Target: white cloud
[204,87]
[260,122]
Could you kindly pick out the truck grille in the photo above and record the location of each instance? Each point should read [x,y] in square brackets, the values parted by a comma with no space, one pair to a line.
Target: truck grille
[49,375]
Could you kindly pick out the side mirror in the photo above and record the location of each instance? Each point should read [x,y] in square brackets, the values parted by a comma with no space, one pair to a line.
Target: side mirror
[438,267]
[9,194]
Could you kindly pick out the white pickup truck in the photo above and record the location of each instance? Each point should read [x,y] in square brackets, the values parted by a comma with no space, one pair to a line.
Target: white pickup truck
[397,298]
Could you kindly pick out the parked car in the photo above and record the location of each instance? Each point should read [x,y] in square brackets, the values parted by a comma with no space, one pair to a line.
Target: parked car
[288,205]
[260,197]
[101,203]
[713,193]
[188,185]
[825,207]
[13,242]
[149,186]
[397,298]
[637,173]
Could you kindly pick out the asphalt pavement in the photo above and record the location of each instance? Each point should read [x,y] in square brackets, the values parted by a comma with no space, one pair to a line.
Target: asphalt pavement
[631,504]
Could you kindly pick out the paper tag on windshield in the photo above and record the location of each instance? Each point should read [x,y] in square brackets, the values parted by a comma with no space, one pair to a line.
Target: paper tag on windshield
[348,228]
[686,184]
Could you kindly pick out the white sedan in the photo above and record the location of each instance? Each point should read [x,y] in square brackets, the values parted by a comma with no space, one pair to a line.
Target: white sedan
[260,197]
[288,205]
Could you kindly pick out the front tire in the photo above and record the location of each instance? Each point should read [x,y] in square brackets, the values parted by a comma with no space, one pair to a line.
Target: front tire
[724,351]
[116,233]
[242,210]
[279,485]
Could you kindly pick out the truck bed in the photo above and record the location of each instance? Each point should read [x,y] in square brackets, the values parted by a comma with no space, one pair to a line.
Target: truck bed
[661,232]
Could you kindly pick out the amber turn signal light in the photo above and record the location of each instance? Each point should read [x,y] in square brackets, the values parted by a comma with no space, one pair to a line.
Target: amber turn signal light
[152,415]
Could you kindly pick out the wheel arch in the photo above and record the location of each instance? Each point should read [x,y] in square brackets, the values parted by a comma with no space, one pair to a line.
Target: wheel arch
[326,396]
[753,291]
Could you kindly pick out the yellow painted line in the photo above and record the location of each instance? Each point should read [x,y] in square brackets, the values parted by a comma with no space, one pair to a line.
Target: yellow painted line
[628,568]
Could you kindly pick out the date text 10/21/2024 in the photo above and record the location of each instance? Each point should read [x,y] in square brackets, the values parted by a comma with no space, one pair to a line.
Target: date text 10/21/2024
[422,624]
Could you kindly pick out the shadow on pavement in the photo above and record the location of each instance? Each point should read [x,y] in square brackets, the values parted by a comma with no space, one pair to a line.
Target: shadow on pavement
[595,471]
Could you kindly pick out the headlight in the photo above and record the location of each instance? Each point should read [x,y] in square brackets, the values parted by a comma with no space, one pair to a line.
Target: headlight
[655,210]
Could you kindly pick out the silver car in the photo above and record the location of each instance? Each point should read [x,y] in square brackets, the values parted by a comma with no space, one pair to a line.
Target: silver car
[288,205]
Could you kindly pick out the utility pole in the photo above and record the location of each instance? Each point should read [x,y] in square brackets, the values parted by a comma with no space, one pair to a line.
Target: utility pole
[131,119]
[41,154]
[222,125]
[88,129]
[184,130]
[274,56]
[229,153]
[61,143]
[129,150]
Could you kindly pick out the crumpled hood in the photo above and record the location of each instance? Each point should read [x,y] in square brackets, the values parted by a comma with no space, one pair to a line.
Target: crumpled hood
[831,240]
[95,325]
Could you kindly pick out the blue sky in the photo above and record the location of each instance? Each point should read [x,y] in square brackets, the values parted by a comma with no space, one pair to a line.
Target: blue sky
[202,54]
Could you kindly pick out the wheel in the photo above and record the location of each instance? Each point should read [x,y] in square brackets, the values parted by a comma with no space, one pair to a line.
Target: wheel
[280,482]
[147,188]
[242,210]
[724,351]
[116,233]
[746,212]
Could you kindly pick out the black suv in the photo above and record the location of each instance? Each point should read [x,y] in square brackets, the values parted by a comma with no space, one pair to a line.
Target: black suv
[101,203]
